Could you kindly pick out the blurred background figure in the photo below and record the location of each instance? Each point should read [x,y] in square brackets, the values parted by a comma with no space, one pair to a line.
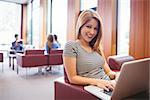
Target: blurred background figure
[56,44]
[49,43]
[49,46]
[52,43]
[17,45]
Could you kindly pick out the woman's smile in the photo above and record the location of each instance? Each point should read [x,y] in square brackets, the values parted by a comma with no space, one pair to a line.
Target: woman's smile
[89,30]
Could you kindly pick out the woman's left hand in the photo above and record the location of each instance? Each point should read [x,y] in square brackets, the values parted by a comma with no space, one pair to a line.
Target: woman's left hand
[112,74]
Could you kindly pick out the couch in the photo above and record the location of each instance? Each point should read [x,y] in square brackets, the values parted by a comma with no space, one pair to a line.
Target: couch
[37,58]
[55,57]
[115,62]
[31,58]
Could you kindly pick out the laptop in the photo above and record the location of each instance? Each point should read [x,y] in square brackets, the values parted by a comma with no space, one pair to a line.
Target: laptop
[133,79]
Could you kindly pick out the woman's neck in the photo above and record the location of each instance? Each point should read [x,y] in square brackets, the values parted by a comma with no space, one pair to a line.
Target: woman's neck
[83,43]
[85,46]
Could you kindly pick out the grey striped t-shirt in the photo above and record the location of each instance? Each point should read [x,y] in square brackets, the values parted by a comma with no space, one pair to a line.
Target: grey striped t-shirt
[88,64]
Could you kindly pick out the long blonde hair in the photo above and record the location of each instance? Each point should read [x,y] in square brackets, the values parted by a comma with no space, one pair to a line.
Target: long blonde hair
[85,17]
[50,40]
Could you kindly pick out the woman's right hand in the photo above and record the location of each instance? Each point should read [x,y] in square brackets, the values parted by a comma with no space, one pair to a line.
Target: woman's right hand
[106,84]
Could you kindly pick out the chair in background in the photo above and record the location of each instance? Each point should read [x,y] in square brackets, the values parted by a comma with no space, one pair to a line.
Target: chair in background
[31,58]
[116,61]
[66,91]
[55,57]
[12,57]
[1,60]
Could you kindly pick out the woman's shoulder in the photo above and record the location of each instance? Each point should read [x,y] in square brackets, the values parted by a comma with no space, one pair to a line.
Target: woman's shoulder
[71,48]
[73,43]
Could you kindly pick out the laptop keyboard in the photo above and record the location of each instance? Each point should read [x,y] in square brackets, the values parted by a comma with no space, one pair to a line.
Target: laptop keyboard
[108,92]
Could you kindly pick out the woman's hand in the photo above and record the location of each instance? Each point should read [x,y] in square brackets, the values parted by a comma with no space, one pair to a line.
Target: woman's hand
[106,84]
[112,75]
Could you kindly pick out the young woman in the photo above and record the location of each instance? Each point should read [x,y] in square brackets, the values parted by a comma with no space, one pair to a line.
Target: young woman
[49,43]
[49,46]
[84,59]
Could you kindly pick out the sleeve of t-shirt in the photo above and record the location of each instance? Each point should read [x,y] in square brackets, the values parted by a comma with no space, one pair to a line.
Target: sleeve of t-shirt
[70,49]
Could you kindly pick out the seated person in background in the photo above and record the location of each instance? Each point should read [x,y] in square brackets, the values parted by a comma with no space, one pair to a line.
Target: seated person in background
[84,60]
[17,46]
[50,45]
[56,43]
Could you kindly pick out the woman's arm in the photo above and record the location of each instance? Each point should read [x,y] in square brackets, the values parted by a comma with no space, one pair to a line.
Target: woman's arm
[70,67]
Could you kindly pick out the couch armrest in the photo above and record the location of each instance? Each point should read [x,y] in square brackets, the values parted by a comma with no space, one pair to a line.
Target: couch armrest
[67,91]
[115,62]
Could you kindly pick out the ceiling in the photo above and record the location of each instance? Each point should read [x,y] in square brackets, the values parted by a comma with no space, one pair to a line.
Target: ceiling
[18,1]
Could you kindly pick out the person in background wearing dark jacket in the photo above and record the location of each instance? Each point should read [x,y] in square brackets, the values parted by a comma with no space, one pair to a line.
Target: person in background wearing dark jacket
[17,45]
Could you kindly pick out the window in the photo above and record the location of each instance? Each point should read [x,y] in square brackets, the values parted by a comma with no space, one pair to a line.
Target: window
[29,23]
[10,21]
[36,37]
[10,24]
[59,20]
[49,17]
[123,27]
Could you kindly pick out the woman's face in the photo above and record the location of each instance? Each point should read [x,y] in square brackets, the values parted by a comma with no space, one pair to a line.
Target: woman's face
[89,30]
